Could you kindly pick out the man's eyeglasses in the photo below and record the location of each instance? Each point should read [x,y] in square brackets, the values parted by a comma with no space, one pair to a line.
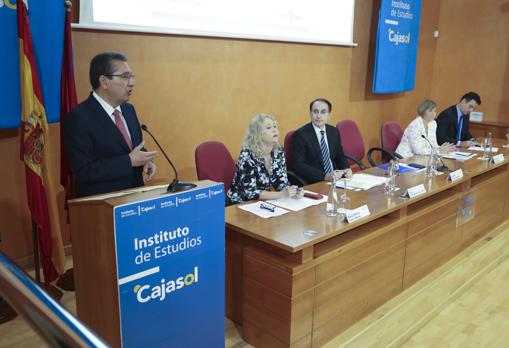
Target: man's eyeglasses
[126,76]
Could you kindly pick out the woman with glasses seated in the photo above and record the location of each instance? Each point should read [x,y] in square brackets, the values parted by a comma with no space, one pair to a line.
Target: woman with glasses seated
[261,167]
[412,143]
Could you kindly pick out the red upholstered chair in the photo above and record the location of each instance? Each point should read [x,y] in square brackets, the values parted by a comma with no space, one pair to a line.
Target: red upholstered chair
[391,134]
[288,149]
[292,177]
[352,143]
[214,162]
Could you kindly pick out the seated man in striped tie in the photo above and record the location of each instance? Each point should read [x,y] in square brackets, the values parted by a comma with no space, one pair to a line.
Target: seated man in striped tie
[453,124]
[316,147]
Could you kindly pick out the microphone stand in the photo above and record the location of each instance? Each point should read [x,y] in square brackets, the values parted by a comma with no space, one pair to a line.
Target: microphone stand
[175,185]
[443,167]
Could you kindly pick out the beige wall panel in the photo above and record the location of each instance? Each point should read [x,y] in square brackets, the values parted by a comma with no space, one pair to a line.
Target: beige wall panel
[472,54]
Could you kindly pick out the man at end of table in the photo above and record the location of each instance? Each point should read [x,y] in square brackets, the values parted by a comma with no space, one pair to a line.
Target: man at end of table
[453,123]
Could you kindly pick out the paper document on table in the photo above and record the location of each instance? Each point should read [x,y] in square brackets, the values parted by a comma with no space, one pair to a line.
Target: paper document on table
[459,156]
[362,181]
[402,168]
[478,148]
[256,208]
[295,204]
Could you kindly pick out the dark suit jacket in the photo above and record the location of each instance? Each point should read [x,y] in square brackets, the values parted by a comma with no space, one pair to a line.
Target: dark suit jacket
[97,152]
[447,126]
[307,156]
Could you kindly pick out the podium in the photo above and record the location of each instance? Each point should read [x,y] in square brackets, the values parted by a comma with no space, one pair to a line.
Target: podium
[149,266]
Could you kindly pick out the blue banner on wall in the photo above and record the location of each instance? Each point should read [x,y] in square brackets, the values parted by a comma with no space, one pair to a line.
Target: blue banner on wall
[396,46]
[47,25]
[170,263]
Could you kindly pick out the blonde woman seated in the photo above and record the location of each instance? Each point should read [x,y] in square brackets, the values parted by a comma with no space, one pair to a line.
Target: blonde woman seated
[261,167]
[412,143]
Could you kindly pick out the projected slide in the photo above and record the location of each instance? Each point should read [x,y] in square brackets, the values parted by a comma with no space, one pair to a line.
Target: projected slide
[320,21]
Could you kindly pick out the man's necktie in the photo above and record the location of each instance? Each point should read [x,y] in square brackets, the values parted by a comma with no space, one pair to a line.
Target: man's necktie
[325,153]
[121,127]
[460,126]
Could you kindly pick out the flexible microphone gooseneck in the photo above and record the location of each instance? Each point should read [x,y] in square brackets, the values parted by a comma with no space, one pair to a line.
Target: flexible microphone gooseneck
[175,185]
[443,167]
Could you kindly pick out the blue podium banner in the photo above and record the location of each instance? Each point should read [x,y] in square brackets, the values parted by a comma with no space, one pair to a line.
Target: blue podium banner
[47,27]
[396,46]
[170,264]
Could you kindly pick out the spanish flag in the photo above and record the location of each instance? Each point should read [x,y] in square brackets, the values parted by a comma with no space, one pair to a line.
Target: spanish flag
[35,152]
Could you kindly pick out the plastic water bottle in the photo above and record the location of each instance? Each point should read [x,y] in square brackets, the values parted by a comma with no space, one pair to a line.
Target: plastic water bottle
[490,144]
[332,199]
[432,165]
[390,184]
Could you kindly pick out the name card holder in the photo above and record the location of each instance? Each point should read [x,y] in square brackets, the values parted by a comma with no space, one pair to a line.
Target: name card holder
[497,159]
[414,191]
[476,116]
[456,175]
[357,214]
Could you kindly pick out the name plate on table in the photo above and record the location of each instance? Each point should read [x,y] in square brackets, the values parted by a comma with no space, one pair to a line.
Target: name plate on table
[476,116]
[357,214]
[456,175]
[414,191]
[497,159]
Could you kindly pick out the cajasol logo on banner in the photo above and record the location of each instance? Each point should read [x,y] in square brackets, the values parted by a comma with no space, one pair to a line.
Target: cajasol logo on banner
[170,263]
[396,46]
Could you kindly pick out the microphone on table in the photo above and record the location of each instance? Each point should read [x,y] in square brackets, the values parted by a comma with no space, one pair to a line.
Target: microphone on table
[443,167]
[175,185]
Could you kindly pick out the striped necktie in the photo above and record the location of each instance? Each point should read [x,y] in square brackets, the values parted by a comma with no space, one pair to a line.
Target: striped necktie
[327,165]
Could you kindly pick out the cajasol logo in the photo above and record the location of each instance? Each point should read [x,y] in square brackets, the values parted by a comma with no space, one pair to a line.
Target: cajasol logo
[145,293]
[398,38]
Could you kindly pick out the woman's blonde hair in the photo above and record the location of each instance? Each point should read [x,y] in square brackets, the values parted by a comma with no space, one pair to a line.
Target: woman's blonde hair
[253,138]
[424,106]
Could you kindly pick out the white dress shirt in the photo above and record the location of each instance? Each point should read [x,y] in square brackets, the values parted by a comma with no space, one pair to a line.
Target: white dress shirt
[109,110]
[318,132]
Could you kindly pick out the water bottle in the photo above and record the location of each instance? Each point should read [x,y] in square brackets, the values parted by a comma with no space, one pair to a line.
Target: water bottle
[332,199]
[432,165]
[390,184]
[490,144]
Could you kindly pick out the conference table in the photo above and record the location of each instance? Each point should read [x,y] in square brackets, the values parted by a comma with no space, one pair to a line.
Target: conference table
[291,288]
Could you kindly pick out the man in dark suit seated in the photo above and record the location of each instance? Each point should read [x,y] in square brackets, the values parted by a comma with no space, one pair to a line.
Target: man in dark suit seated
[316,147]
[102,134]
[453,123]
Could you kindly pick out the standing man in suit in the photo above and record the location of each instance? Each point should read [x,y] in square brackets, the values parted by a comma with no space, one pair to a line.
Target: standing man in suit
[102,134]
[453,122]
[316,147]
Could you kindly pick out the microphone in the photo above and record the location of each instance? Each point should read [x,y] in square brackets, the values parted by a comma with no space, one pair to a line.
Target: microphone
[443,167]
[175,185]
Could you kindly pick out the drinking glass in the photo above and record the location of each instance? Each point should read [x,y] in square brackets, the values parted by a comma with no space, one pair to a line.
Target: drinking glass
[344,199]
